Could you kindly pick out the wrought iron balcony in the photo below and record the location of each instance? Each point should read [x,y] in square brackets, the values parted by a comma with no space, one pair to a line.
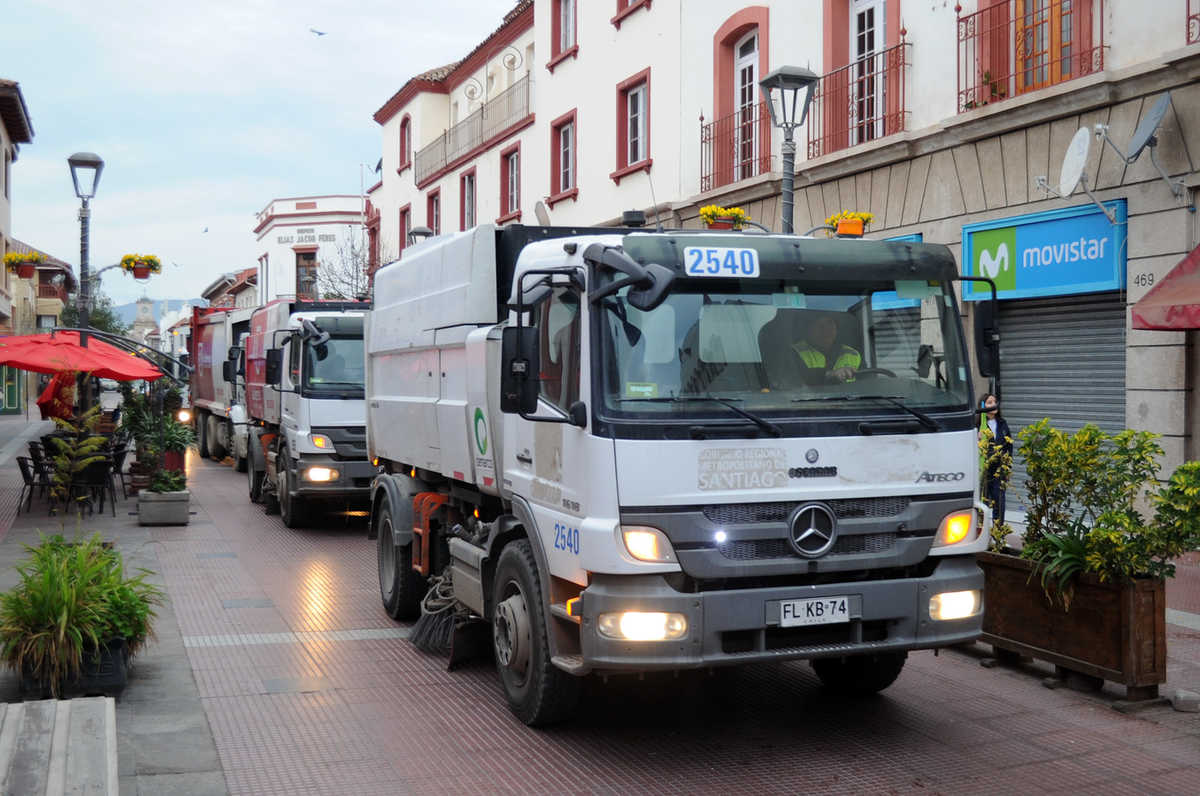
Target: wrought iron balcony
[735,147]
[485,123]
[860,102]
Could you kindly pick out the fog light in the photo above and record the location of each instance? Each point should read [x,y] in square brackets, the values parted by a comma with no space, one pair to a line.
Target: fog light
[184,416]
[321,441]
[957,527]
[647,544]
[955,605]
[643,626]
[320,474]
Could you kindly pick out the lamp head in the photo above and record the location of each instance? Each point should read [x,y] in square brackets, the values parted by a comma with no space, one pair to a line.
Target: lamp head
[85,173]
[788,91]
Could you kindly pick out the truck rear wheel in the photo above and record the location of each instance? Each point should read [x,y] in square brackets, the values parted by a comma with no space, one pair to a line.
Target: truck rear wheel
[538,692]
[202,434]
[216,449]
[400,587]
[860,674]
[256,483]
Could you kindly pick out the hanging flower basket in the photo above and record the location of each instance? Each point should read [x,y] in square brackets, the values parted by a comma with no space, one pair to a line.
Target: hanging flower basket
[23,264]
[717,217]
[141,265]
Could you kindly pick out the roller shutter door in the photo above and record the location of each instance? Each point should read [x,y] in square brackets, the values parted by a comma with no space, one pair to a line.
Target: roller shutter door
[1062,358]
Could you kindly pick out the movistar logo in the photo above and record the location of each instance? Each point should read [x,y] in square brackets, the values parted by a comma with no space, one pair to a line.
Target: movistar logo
[481,439]
[991,266]
[995,255]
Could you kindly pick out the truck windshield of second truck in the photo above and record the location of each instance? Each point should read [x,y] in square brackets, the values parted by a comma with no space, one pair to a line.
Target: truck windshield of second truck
[334,368]
[784,348]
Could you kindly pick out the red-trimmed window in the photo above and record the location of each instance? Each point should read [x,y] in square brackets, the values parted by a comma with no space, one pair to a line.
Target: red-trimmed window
[633,125]
[433,211]
[564,155]
[510,184]
[564,42]
[466,195]
[405,144]
[405,226]
[627,7]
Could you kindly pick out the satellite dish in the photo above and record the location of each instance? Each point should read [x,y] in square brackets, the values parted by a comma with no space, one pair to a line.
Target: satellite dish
[1074,162]
[1143,136]
[543,216]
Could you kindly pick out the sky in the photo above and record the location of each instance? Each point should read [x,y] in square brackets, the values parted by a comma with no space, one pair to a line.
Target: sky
[205,112]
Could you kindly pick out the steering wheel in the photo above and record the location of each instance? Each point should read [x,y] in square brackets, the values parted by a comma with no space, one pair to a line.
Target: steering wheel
[874,372]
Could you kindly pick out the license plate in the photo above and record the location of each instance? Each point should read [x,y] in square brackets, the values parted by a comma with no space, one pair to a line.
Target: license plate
[814,611]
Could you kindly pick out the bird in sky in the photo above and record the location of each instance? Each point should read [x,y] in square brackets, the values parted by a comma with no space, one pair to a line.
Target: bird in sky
[317,32]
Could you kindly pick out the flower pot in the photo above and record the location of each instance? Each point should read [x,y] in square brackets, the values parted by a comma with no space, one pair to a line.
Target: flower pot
[101,673]
[721,223]
[141,272]
[1112,631]
[163,508]
[173,460]
[26,270]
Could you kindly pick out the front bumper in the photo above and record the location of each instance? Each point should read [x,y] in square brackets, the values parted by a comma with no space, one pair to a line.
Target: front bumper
[742,625]
[353,481]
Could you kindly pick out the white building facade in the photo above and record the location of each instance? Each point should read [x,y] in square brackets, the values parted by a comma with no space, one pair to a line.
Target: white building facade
[939,119]
[306,244]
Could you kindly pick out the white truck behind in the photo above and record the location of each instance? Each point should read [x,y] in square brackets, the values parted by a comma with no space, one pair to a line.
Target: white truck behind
[610,441]
[218,400]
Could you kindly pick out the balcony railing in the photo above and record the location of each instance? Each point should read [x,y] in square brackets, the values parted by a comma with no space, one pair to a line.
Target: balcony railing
[735,147]
[860,102]
[1024,45]
[489,120]
[1193,21]
[50,291]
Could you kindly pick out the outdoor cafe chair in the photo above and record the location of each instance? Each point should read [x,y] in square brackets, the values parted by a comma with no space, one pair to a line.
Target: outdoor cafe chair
[93,483]
[30,481]
[41,460]
[117,473]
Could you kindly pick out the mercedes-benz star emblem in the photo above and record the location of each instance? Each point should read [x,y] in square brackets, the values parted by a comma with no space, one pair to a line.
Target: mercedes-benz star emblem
[813,530]
[811,456]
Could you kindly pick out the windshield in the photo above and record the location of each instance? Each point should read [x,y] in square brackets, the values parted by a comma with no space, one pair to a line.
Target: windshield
[784,348]
[335,367]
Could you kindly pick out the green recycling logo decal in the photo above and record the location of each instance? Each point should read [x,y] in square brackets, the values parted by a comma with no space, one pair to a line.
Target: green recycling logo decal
[481,439]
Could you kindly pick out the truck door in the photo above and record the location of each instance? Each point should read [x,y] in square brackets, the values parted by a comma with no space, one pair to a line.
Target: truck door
[291,406]
[549,462]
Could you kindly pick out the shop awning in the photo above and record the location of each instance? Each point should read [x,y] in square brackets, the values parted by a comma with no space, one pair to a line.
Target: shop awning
[1174,303]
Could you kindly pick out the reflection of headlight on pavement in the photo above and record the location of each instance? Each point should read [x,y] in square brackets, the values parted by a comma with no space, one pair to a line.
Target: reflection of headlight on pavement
[184,415]
[320,474]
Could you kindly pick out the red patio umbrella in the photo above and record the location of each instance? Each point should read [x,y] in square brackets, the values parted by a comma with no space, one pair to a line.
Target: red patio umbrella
[58,399]
[60,351]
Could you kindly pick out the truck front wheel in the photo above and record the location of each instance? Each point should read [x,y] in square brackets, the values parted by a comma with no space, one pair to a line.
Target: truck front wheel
[538,692]
[860,674]
[400,587]
[291,508]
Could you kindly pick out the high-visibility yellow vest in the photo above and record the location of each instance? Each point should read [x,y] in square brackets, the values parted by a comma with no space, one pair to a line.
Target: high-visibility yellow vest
[847,357]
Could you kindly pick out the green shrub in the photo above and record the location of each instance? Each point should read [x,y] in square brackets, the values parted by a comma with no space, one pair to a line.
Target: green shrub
[74,451]
[168,481]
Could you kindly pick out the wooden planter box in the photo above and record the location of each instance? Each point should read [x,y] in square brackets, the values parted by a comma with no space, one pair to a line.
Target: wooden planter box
[1112,631]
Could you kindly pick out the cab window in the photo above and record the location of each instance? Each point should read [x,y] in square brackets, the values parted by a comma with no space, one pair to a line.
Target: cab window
[560,343]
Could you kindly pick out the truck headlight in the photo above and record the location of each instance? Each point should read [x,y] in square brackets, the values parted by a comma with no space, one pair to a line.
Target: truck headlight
[184,415]
[957,527]
[320,474]
[955,605]
[321,441]
[647,544]
[642,626]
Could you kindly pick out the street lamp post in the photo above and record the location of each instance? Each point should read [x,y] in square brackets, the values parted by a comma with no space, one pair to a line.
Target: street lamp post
[85,173]
[788,84]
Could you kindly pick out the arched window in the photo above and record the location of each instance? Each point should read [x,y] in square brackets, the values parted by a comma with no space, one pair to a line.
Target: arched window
[405,143]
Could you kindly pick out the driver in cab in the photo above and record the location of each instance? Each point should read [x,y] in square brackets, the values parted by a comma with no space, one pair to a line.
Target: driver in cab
[820,351]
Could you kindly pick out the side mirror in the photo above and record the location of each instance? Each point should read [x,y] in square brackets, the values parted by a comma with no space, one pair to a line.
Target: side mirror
[578,414]
[274,365]
[647,297]
[234,353]
[987,338]
[227,372]
[519,358]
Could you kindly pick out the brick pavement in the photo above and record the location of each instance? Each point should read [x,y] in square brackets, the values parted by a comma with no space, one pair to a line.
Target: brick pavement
[305,686]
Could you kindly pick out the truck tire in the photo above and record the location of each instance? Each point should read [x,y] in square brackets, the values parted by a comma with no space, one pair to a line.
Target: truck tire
[240,463]
[400,587]
[538,692]
[216,449]
[202,433]
[256,483]
[291,508]
[860,674]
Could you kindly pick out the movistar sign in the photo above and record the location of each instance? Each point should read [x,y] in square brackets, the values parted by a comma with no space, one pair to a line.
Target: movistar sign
[1058,252]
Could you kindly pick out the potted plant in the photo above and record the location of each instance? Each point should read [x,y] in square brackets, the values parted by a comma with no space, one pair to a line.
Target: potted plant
[76,448]
[23,264]
[1086,592]
[717,217]
[166,501]
[854,222]
[74,619]
[141,265]
[176,438]
[139,422]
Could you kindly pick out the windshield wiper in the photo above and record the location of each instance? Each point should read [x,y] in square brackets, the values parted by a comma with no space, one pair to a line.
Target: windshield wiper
[894,400]
[763,423]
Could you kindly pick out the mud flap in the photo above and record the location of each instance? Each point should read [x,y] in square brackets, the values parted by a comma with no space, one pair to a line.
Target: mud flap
[471,640]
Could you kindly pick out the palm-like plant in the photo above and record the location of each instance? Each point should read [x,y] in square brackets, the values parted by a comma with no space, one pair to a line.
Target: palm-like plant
[76,450]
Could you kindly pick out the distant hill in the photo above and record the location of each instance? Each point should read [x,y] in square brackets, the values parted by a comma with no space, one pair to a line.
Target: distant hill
[128,312]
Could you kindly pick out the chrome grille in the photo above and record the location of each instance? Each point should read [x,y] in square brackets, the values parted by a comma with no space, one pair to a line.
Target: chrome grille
[758,549]
[850,508]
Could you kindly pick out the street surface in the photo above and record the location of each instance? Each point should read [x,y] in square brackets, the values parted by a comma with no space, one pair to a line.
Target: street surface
[276,671]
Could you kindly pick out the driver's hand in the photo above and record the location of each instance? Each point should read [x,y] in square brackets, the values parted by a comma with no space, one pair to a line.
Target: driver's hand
[843,374]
